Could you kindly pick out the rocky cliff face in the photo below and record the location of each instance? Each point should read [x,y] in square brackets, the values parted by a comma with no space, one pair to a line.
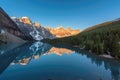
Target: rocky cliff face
[33,30]
[62,32]
[7,25]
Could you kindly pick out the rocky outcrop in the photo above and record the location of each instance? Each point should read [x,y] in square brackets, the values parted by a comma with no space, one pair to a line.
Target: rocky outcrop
[63,32]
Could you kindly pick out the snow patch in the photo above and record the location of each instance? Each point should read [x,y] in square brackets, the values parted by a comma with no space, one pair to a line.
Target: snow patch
[36,34]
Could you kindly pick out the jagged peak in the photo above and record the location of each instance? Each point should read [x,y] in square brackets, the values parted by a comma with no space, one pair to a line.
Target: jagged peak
[62,32]
[25,19]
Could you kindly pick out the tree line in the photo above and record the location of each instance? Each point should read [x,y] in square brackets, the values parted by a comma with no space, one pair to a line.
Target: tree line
[105,39]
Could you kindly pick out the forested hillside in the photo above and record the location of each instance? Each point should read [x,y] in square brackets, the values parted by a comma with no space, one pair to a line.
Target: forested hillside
[100,39]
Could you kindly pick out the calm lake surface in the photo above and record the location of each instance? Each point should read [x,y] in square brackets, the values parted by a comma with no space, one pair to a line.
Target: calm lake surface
[41,61]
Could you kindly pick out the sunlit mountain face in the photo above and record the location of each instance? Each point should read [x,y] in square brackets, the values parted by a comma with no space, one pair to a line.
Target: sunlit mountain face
[60,31]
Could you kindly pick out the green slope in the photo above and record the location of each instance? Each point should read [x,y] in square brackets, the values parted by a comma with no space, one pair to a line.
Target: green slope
[100,39]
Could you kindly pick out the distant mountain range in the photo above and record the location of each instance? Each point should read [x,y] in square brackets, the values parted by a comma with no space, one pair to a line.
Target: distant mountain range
[63,32]
[58,31]
[23,29]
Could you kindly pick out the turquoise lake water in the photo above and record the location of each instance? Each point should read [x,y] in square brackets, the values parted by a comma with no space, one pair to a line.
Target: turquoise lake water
[41,61]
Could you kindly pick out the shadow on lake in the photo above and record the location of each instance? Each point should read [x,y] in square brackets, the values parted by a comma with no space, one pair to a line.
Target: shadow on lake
[41,61]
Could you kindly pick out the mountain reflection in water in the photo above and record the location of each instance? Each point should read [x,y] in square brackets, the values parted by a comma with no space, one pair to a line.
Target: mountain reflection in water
[37,49]
[58,62]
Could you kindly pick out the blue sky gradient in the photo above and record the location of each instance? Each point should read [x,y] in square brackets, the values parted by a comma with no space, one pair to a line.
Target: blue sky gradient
[78,14]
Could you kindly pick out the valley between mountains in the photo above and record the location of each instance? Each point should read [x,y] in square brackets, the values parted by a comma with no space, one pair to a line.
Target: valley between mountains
[100,39]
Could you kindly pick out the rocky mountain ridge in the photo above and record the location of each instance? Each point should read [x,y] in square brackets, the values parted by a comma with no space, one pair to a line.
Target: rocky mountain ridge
[63,32]
[58,31]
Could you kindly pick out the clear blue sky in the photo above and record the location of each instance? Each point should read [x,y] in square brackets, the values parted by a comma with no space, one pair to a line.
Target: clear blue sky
[78,14]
